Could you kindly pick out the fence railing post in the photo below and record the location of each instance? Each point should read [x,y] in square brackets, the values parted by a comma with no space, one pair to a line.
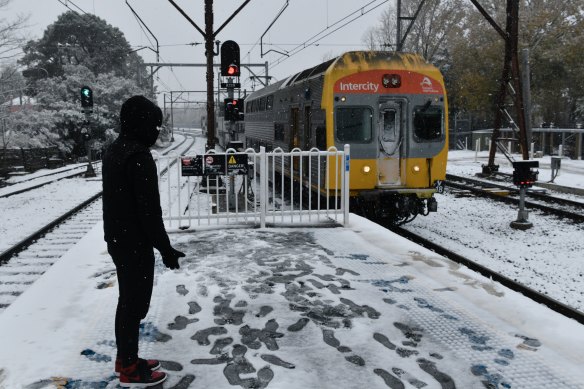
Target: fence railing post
[346,185]
[263,186]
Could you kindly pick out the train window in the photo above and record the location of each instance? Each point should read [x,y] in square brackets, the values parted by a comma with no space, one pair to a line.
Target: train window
[270,102]
[354,124]
[321,137]
[428,122]
[279,131]
[389,130]
[263,104]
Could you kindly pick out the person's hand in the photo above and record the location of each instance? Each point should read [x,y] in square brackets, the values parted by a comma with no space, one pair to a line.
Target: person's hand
[170,258]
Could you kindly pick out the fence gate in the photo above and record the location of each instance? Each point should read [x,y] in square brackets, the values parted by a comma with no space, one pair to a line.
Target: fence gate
[255,188]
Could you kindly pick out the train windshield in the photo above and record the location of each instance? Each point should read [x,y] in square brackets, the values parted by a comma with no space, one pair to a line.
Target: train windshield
[354,124]
[428,122]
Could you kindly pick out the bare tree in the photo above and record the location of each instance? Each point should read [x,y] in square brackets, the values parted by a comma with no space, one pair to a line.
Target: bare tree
[11,82]
[10,38]
[436,20]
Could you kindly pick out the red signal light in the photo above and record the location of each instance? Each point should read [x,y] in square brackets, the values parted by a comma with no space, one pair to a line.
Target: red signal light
[232,70]
[234,102]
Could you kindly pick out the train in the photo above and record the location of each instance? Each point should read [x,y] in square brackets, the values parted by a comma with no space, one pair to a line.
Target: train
[390,107]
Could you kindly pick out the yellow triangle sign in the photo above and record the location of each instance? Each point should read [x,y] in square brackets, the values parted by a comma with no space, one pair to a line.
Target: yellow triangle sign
[232,160]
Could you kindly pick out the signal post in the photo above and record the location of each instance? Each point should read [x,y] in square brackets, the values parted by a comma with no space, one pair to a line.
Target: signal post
[86,95]
[524,177]
[232,107]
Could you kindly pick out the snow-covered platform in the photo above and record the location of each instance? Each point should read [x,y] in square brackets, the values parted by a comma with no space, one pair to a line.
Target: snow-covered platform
[355,307]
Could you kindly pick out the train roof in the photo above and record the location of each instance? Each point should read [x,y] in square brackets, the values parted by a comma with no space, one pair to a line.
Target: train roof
[363,59]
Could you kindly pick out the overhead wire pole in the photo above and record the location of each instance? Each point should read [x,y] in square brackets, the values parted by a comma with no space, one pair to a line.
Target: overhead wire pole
[400,40]
[152,71]
[209,54]
[209,36]
[510,78]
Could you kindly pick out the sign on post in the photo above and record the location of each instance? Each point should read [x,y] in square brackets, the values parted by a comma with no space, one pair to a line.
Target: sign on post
[214,165]
[192,166]
[237,164]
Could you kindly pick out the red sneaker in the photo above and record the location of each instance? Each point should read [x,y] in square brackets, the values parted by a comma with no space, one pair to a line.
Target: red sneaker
[152,364]
[139,375]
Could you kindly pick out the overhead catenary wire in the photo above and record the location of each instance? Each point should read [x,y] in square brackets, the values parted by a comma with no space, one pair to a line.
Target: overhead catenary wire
[314,39]
[173,74]
[362,11]
[66,4]
[142,26]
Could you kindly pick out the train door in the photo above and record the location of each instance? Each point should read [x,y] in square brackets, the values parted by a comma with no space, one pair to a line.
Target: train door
[306,144]
[390,141]
[295,136]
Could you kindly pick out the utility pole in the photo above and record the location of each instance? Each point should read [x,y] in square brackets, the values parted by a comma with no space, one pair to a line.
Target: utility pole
[510,83]
[209,53]
[209,36]
[527,95]
[400,40]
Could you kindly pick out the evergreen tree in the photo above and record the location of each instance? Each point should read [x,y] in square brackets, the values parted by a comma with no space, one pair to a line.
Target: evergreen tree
[86,40]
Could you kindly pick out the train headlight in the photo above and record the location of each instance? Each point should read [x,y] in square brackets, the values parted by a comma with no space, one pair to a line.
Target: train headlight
[416,169]
[366,169]
[343,99]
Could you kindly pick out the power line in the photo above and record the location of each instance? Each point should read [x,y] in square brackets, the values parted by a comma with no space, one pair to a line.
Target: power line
[67,5]
[174,75]
[315,38]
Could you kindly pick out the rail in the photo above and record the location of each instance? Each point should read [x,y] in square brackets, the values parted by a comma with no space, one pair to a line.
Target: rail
[534,295]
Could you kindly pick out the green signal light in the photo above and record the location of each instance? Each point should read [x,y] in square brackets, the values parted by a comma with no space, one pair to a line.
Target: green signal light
[86,97]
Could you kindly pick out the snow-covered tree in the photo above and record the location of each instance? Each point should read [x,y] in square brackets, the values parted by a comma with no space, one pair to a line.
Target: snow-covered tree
[58,110]
[82,40]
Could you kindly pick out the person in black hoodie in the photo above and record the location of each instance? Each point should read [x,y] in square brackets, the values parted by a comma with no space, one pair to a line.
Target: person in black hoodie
[133,226]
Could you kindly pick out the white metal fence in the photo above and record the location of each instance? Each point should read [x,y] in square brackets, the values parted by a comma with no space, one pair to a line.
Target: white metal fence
[271,188]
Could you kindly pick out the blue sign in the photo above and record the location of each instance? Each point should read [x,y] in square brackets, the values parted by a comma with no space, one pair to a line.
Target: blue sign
[347,162]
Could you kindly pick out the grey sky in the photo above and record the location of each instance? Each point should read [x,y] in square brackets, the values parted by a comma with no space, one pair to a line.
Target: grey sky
[301,20]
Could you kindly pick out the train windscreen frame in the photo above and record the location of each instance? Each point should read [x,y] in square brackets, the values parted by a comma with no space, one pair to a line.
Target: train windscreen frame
[354,124]
[428,122]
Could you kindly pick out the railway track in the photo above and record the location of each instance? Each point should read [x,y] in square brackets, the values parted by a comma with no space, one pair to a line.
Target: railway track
[23,263]
[45,179]
[557,206]
[38,252]
[509,283]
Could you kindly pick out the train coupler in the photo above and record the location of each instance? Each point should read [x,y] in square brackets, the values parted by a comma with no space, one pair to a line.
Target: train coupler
[432,205]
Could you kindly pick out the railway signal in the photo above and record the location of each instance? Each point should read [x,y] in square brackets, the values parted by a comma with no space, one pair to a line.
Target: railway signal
[232,109]
[524,177]
[87,107]
[230,59]
[86,99]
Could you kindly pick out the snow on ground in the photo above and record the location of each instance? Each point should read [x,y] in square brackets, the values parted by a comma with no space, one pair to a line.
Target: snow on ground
[24,213]
[547,257]
[300,286]
[464,162]
[289,308]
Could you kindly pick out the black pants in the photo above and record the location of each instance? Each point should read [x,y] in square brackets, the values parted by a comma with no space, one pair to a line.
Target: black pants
[135,269]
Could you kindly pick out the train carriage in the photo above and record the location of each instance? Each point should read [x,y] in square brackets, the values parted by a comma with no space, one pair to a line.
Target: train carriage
[391,108]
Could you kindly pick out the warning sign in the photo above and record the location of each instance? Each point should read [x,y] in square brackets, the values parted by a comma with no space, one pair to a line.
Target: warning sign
[215,165]
[237,164]
[192,166]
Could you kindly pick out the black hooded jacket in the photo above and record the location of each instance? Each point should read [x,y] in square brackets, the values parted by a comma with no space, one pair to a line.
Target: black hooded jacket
[131,203]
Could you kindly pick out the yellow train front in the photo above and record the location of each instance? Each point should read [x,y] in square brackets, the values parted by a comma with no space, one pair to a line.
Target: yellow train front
[391,108]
